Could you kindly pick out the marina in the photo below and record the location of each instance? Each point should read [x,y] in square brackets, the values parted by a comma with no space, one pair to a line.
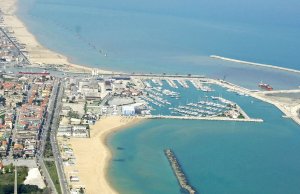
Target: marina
[165,100]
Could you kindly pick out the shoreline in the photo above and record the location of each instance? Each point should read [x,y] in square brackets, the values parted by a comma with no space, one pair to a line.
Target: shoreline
[284,107]
[110,133]
[99,153]
[255,64]
[38,55]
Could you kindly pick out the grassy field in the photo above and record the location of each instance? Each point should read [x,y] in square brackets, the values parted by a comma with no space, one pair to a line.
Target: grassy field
[9,176]
[53,173]
[7,181]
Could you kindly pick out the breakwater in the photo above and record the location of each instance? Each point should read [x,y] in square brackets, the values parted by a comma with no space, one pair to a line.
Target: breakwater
[202,118]
[183,182]
[254,64]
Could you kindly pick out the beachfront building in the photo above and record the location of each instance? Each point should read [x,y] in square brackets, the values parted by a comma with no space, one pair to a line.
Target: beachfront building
[74,178]
[128,110]
[89,119]
[75,121]
[81,131]
[64,130]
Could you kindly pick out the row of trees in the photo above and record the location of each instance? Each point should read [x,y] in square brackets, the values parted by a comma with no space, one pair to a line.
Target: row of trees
[8,189]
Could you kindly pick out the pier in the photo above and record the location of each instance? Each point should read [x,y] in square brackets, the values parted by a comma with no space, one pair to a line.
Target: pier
[180,175]
[196,83]
[183,83]
[172,83]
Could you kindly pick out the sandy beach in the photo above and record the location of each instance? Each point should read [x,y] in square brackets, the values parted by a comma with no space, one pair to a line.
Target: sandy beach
[93,155]
[38,55]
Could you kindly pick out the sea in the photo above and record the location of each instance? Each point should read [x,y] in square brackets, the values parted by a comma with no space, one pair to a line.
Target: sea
[174,36]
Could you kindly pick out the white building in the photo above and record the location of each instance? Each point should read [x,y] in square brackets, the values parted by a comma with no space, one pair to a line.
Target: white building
[64,131]
[75,121]
[80,131]
[128,110]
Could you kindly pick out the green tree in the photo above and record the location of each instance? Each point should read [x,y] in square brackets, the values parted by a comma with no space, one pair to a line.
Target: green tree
[81,190]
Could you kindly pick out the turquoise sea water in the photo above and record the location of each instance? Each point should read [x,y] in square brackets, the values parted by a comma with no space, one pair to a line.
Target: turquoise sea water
[218,157]
[173,36]
[177,37]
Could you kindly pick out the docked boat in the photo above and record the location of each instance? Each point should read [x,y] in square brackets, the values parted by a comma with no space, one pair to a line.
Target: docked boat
[265,86]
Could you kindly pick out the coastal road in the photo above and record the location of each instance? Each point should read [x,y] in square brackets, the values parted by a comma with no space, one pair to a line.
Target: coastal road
[26,59]
[53,140]
[51,126]
[13,133]
[43,139]
[46,175]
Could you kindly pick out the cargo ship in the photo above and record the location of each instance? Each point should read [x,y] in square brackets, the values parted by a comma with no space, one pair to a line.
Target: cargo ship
[265,86]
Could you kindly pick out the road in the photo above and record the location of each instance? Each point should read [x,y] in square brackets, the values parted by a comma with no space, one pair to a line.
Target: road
[16,181]
[53,140]
[26,59]
[43,138]
[13,133]
[51,126]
